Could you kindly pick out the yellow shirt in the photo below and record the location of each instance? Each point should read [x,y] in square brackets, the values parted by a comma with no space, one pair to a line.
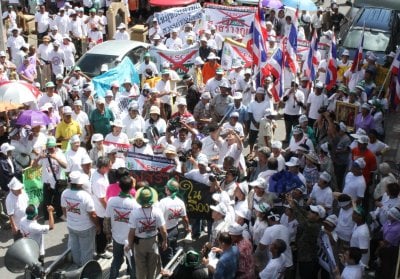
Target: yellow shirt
[66,131]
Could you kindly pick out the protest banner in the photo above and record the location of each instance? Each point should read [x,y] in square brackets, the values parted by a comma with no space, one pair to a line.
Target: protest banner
[197,196]
[182,60]
[33,185]
[138,161]
[229,20]
[177,17]
[121,146]
[234,51]
[326,256]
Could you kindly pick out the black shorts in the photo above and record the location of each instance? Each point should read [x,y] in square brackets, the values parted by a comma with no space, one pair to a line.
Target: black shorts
[253,135]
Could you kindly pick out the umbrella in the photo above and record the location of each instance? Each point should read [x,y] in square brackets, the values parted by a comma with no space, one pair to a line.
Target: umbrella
[283,182]
[273,4]
[18,92]
[6,106]
[307,5]
[33,118]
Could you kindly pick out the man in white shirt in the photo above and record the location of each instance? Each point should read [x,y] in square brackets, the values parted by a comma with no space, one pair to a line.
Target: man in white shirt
[133,122]
[16,204]
[174,42]
[354,181]
[14,43]
[75,154]
[276,265]
[316,100]
[294,103]
[76,32]
[164,87]
[52,98]
[83,120]
[57,58]
[345,225]
[121,34]
[42,22]
[99,182]
[61,20]
[361,236]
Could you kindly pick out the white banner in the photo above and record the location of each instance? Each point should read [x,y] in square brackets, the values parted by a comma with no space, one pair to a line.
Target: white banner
[177,17]
[233,52]
[229,20]
[182,60]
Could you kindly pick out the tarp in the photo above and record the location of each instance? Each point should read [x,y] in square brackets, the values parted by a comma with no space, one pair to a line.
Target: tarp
[177,17]
[123,71]
[234,51]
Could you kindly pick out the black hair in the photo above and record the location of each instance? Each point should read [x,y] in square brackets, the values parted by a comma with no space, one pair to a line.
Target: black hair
[102,162]
[280,246]
[198,143]
[272,164]
[234,171]
[122,171]
[393,189]
[125,183]
[225,238]
[355,254]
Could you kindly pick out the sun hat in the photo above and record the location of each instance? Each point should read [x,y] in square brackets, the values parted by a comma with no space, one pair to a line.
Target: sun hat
[198,61]
[244,187]
[5,147]
[212,56]
[262,207]
[76,177]
[220,208]
[97,137]
[235,229]
[154,110]
[146,196]
[360,132]
[117,123]
[51,142]
[243,213]
[139,136]
[293,161]
[312,157]
[171,149]
[259,182]
[363,139]
[325,176]
[15,184]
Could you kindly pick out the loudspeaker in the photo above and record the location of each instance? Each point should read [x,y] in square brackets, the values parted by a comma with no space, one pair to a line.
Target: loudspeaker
[91,270]
[24,253]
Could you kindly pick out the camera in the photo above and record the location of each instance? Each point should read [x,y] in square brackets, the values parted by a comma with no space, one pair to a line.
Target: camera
[183,156]
[175,123]
[322,109]
[217,176]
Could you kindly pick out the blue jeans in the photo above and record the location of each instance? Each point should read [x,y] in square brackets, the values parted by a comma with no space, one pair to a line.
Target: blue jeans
[82,245]
[118,259]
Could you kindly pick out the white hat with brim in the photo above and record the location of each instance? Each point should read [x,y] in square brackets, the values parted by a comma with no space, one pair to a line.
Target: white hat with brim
[74,139]
[360,132]
[97,137]
[262,207]
[76,177]
[139,136]
[293,162]
[15,184]
[235,229]
[155,110]
[319,210]
[259,182]
[220,208]
[5,147]
[117,123]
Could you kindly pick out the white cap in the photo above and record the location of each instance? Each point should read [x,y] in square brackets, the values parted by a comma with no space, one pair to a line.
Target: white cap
[212,56]
[76,177]
[2,53]
[303,118]
[156,37]
[220,208]
[346,52]
[325,176]
[235,229]
[259,182]
[333,219]
[243,213]
[319,85]
[155,110]
[109,93]
[359,132]
[100,100]
[260,90]
[198,61]
[262,207]
[360,162]
[121,26]
[133,106]
[244,187]
[234,114]
[237,96]
[294,161]
[203,161]
[74,139]
[67,110]
[319,210]
[171,149]
[97,137]
[363,139]
[276,144]
[117,123]
[54,27]
[15,184]
[86,160]
[206,96]
[181,101]
[5,147]
[78,103]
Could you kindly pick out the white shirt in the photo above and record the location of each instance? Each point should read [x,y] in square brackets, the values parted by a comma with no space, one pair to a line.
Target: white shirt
[54,100]
[83,121]
[69,54]
[274,269]
[57,61]
[291,106]
[173,209]
[291,225]
[195,175]
[122,138]
[316,102]
[43,51]
[211,148]
[258,230]
[161,125]
[143,67]
[76,28]
[16,206]
[15,43]
[78,204]
[360,239]
[146,221]
[238,128]
[174,44]
[121,36]
[33,230]
[99,188]
[212,86]
[43,21]
[74,159]
[345,225]
[354,186]
[258,110]
[47,174]
[133,125]
[62,23]
[118,210]
[321,196]
[278,231]
[352,272]
[164,86]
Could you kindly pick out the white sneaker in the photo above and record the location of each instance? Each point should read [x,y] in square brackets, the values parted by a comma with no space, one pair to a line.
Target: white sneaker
[106,255]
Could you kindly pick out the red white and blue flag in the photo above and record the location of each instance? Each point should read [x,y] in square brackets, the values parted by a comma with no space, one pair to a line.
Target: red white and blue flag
[275,68]
[331,69]
[358,55]
[256,45]
[311,63]
[290,46]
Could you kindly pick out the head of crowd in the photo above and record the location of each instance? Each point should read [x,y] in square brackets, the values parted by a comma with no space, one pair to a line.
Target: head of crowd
[295,162]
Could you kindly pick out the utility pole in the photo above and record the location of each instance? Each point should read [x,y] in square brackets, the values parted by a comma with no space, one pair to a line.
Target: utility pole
[3,32]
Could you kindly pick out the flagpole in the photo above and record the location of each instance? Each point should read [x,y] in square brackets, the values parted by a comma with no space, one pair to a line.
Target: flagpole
[384,82]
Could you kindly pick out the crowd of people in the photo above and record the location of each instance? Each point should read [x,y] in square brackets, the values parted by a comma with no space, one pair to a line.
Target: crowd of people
[322,203]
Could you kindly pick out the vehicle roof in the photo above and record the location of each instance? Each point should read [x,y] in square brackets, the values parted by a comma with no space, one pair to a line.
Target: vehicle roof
[375,18]
[116,47]
[390,4]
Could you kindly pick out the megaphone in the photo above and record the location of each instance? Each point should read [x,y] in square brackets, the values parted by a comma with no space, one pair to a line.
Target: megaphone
[91,270]
[24,253]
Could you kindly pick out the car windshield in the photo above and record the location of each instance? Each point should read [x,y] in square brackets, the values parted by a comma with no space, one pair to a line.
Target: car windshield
[373,40]
[91,63]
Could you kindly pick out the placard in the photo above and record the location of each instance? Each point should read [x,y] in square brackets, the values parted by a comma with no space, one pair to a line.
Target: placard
[346,113]
[33,185]
[234,51]
[139,161]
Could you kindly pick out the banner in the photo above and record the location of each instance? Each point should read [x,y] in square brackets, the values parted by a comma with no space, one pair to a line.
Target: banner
[182,60]
[177,17]
[325,253]
[229,20]
[33,185]
[234,51]
[124,70]
[138,161]
[121,146]
[197,196]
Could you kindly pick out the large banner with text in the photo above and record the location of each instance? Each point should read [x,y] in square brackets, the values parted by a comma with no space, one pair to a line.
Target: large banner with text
[182,60]
[233,52]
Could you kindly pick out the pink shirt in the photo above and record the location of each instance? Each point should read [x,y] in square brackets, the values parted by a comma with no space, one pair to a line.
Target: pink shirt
[113,190]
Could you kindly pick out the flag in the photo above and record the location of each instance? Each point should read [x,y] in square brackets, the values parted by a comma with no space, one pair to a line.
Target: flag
[256,45]
[358,55]
[312,62]
[331,69]
[396,72]
[275,68]
[290,46]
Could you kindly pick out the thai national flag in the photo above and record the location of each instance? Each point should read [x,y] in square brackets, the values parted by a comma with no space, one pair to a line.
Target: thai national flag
[331,69]
[275,67]
[291,46]
[311,63]
[256,45]
[358,55]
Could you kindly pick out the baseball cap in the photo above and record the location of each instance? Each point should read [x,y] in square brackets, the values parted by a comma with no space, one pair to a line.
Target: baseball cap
[319,210]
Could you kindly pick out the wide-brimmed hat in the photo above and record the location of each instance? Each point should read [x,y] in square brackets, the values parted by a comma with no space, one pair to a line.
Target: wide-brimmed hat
[262,207]
[319,209]
[155,110]
[117,123]
[235,229]
[139,136]
[15,184]
[146,196]
[5,147]
[220,208]
[312,157]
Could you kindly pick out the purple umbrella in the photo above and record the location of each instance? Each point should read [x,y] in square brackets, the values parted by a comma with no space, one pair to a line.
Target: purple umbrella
[33,118]
[273,4]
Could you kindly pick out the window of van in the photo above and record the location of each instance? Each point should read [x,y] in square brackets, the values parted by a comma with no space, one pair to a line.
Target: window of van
[373,40]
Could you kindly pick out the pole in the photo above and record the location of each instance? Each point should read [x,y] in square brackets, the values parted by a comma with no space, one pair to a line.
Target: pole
[3,32]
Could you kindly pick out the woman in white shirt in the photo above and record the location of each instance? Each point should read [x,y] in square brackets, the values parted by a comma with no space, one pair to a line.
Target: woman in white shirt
[117,136]
[156,121]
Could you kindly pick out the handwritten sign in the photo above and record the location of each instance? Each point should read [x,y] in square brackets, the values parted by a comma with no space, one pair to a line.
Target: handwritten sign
[196,196]
[177,17]
[229,20]
[32,179]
